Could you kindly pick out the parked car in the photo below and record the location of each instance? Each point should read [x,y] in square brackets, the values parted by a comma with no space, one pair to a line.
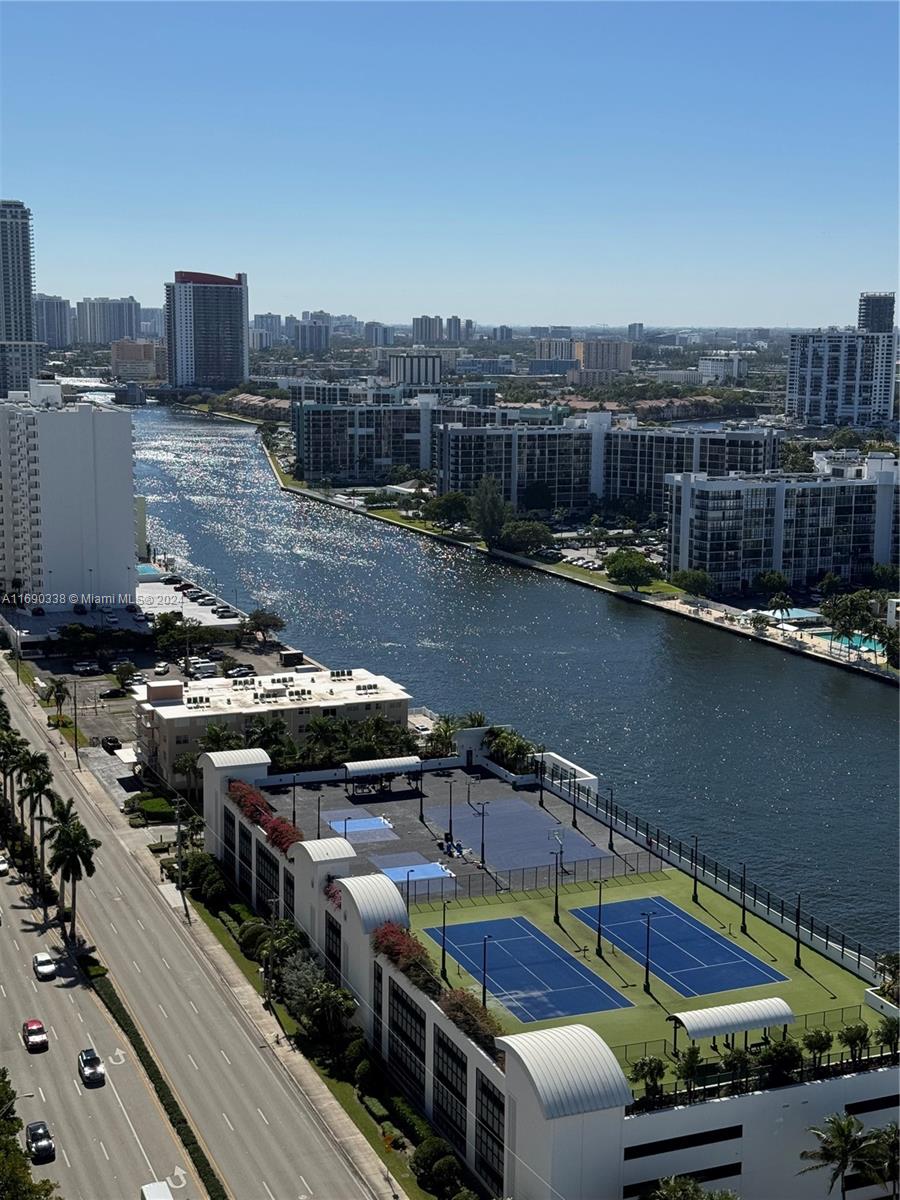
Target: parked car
[137,678]
[112,693]
[4,865]
[171,579]
[37,611]
[141,617]
[215,654]
[34,1035]
[206,601]
[111,620]
[43,965]
[161,668]
[39,1144]
[132,608]
[90,1067]
[111,744]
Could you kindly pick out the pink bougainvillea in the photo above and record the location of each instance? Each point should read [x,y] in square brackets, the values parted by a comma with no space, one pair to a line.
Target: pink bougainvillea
[333,893]
[280,833]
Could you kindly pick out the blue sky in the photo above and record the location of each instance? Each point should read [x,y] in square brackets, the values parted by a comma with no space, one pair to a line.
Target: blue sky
[706,163]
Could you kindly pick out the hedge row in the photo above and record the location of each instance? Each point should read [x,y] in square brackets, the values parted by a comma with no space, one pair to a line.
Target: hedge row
[208,1177]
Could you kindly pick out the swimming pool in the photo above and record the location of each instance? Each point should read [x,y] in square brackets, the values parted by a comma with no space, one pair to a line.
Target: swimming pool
[857,642]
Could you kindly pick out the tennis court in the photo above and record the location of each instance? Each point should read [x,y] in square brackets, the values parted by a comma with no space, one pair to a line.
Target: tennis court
[688,956]
[527,971]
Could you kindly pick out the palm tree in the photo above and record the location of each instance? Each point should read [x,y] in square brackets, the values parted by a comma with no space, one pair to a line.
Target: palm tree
[36,787]
[28,763]
[440,741]
[73,857]
[738,1061]
[688,1068]
[649,1070]
[817,1042]
[9,748]
[186,765]
[888,1033]
[841,1148]
[879,1160]
[63,817]
[856,1038]
[219,737]
[55,802]
[780,604]
[59,692]
[474,719]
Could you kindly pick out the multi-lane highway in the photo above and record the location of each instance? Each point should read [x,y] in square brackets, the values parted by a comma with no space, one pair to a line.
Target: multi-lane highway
[111,1139]
[258,1129]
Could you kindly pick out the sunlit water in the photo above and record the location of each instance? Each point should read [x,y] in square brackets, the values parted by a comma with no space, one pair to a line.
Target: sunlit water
[786,764]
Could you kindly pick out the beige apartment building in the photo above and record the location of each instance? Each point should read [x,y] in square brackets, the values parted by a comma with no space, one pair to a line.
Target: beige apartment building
[171,717]
[135,360]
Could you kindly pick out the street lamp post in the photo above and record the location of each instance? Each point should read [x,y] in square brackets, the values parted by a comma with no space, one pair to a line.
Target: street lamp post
[483,806]
[541,769]
[573,793]
[451,815]
[600,913]
[294,801]
[797,962]
[484,946]
[610,843]
[319,815]
[75,722]
[647,916]
[444,944]
[408,874]
[694,896]
[556,854]
[743,897]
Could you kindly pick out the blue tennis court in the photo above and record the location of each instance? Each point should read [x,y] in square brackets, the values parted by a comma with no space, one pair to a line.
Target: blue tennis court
[359,825]
[691,958]
[526,970]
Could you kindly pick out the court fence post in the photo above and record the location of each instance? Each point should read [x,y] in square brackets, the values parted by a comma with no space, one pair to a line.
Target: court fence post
[827,928]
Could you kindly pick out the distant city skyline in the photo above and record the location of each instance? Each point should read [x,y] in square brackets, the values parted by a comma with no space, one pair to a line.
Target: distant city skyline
[637,172]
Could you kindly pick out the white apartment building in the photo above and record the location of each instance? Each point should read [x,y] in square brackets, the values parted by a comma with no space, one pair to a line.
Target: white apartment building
[415,368]
[723,367]
[101,321]
[171,717]
[801,525]
[841,377]
[66,499]
[548,1113]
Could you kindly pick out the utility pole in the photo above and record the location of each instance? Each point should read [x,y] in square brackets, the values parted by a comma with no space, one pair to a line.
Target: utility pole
[267,985]
[75,723]
[694,895]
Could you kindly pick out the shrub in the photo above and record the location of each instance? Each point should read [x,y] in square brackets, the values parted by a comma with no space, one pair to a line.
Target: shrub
[281,834]
[426,1155]
[405,1116]
[374,1107]
[230,924]
[444,1177]
[250,936]
[137,821]
[354,1053]
[241,912]
[408,955]
[157,810]
[364,1076]
[465,1194]
[214,893]
[477,1023]
[197,864]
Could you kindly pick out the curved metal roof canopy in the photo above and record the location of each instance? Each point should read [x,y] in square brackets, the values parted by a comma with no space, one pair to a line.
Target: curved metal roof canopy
[571,1069]
[734,1018]
[381,766]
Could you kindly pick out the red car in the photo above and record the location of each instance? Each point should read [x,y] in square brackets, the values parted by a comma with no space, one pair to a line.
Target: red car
[34,1035]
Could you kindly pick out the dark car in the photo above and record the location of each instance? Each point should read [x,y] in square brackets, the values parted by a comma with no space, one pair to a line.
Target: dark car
[112,693]
[214,655]
[38,1142]
[131,608]
[111,744]
[171,579]
[90,1067]
[37,611]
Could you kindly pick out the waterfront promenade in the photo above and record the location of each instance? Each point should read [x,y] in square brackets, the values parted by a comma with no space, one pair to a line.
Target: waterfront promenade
[714,614]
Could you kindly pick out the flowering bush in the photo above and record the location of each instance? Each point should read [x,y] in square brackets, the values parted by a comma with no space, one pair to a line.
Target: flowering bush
[333,893]
[280,833]
[408,955]
[466,1013]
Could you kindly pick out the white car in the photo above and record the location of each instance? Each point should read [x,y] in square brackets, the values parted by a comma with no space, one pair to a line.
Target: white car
[161,668]
[4,865]
[44,966]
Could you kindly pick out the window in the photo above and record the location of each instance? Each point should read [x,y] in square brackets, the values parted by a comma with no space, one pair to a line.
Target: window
[332,949]
[288,893]
[702,1175]
[266,875]
[245,861]
[667,1145]
[406,1025]
[378,1005]
[450,1069]
[228,839]
[490,1117]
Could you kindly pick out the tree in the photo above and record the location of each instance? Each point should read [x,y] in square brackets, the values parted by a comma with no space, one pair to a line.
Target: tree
[695,583]
[473,719]
[219,737]
[488,510]
[840,1149]
[32,767]
[264,622]
[739,1062]
[683,1187]
[73,857]
[63,817]
[888,1033]
[759,623]
[524,537]
[781,1061]
[185,764]
[688,1068]
[445,1177]
[780,604]
[855,1037]
[885,577]
[888,967]
[270,733]
[649,1071]
[830,585]
[38,792]
[16,1182]
[426,1155]
[123,673]
[878,1162]
[817,1043]
[631,567]
[770,582]
[451,508]
[440,743]
[59,693]
[795,456]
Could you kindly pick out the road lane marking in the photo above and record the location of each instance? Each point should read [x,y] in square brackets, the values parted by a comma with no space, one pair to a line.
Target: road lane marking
[225,1056]
[90,889]
[193,1064]
[118,889]
[80,1017]
[136,967]
[77,1088]
[166,965]
[15,943]
[163,1011]
[268,1189]
[71,999]
[3,990]
[131,1126]
[227,1122]
[33,984]
[55,1034]
[105,1155]
[141,923]
[263,1115]
[194,1007]
[66,1157]
[113,928]
[306,1186]
[44,1098]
